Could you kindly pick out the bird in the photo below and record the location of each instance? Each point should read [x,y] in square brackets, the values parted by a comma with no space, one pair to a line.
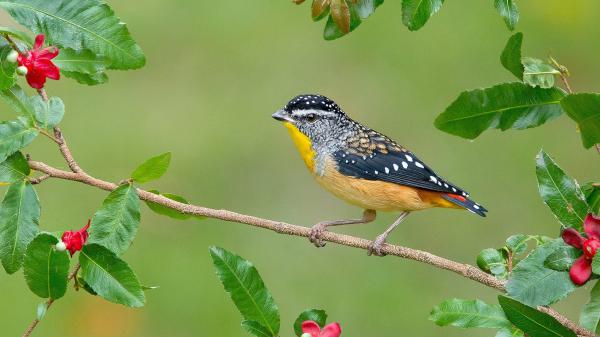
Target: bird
[364,167]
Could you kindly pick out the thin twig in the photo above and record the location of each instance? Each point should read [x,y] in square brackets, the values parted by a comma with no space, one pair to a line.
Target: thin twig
[35,181]
[66,152]
[47,134]
[12,43]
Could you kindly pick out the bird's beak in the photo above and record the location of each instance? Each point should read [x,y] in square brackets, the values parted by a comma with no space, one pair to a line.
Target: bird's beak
[282,115]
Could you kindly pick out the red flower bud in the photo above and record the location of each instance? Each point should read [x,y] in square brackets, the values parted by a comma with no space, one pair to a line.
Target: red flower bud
[38,63]
[74,240]
[590,246]
[313,329]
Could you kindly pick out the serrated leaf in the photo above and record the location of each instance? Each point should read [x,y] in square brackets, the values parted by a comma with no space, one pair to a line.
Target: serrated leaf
[22,36]
[317,315]
[538,73]
[591,191]
[48,113]
[115,224]
[256,329]
[19,222]
[415,13]
[87,79]
[531,321]
[511,55]
[16,98]
[560,192]
[110,277]
[8,76]
[46,269]
[82,24]
[509,12]
[162,210]
[82,65]
[584,109]
[152,169]
[563,258]
[505,106]
[517,243]
[246,288]
[14,168]
[533,283]
[469,314]
[590,313]
[492,261]
[15,135]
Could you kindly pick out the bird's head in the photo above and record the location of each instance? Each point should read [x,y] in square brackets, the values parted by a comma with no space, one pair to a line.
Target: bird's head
[315,116]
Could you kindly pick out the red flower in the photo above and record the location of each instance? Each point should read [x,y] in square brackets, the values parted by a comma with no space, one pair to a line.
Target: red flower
[581,270]
[38,63]
[74,240]
[313,329]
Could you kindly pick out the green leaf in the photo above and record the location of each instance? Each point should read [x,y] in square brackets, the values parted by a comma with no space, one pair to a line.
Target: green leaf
[19,222]
[359,11]
[563,258]
[505,106]
[46,269]
[110,277]
[531,321]
[16,98]
[512,332]
[492,261]
[317,315]
[415,13]
[364,8]
[162,210]
[560,192]
[246,288]
[82,24]
[18,34]
[14,168]
[8,76]
[511,55]
[256,329]
[152,168]
[82,65]
[469,314]
[48,113]
[15,135]
[517,243]
[592,196]
[596,265]
[538,73]
[533,283]
[509,12]
[590,313]
[584,109]
[115,224]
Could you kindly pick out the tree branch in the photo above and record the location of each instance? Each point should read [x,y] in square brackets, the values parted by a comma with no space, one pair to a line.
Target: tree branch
[465,270]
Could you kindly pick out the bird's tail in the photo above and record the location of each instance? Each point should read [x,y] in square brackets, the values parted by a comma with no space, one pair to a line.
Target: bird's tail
[466,203]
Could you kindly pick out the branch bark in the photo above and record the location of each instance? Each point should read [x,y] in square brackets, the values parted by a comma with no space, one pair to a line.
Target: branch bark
[471,272]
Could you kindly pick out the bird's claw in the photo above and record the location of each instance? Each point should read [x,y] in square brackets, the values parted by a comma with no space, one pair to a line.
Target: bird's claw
[315,234]
[376,246]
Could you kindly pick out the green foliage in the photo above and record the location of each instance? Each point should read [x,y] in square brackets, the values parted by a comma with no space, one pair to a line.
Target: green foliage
[469,314]
[84,66]
[512,332]
[517,243]
[152,169]
[492,261]
[592,196]
[562,259]
[162,210]
[47,113]
[560,192]
[110,277]
[538,73]
[505,106]
[46,269]
[15,135]
[247,290]
[531,321]
[416,13]
[16,98]
[19,222]
[317,315]
[596,264]
[509,12]
[256,328]
[115,224]
[68,24]
[8,77]
[18,34]
[359,11]
[584,109]
[511,55]
[532,283]
[590,313]
[14,168]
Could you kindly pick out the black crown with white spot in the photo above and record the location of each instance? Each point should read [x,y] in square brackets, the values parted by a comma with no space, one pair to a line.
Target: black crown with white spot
[314,101]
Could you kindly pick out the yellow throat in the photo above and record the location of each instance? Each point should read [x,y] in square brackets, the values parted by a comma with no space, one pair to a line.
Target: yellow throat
[303,144]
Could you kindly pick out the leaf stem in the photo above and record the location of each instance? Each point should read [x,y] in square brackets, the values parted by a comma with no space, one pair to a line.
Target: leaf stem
[12,43]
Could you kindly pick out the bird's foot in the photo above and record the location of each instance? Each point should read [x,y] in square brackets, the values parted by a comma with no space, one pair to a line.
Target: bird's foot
[315,234]
[376,246]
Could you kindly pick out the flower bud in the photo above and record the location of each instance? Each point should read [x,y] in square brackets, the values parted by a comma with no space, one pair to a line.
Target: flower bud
[22,70]
[12,56]
[61,246]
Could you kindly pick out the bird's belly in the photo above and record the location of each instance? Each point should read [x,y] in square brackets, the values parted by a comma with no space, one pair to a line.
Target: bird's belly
[373,194]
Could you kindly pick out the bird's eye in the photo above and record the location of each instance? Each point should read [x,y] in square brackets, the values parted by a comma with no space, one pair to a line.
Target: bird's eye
[311,117]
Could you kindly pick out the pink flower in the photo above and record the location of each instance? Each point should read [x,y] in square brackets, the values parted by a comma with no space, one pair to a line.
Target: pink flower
[38,63]
[330,330]
[581,270]
[74,240]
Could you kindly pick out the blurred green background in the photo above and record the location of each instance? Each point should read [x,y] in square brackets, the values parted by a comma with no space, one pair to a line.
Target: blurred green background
[216,71]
